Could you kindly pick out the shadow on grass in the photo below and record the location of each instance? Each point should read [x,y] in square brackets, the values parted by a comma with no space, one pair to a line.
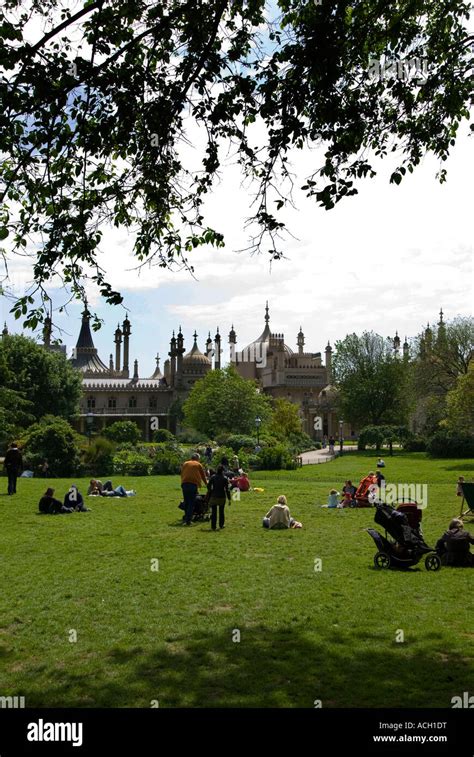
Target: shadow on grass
[267,668]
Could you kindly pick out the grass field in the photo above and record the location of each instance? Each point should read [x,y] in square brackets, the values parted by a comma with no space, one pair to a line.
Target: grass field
[169,634]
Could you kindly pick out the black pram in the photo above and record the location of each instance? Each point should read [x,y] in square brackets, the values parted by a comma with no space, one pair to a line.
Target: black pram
[201,507]
[408,546]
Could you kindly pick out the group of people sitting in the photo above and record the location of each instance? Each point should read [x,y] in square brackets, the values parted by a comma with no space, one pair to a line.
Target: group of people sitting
[454,546]
[73,502]
[347,496]
[98,489]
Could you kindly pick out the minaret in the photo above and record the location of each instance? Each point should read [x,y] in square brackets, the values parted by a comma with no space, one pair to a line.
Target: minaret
[135,371]
[5,330]
[209,346]
[428,338]
[232,342]
[118,342]
[111,363]
[47,332]
[300,341]
[126,328]
[179,364]
[217,359]
[172,354]
[328,354]
[441,339]
[396,344]
[406,349]
[267,317]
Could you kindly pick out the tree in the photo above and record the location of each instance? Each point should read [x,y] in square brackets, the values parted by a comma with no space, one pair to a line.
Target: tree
[223,401]
[122,432]
[96,109]
[371,381]
[380,435]
[46,379]
[460,403]
[54,440]
[285,419]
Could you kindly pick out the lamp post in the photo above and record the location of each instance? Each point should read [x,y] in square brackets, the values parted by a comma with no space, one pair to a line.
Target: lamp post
[341,436]
[90,422]
[258,423]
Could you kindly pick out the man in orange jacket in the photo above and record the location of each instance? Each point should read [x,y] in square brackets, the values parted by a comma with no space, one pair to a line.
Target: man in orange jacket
[192,476]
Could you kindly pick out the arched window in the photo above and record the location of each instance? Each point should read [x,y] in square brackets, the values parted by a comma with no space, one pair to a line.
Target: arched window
[132,402]
[91,403]
[112,403]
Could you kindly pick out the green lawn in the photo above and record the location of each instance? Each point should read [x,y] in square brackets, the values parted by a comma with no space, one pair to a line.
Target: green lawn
[167,635]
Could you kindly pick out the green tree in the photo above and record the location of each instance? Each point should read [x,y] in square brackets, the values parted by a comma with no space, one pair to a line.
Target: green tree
[96,109]
[285,419]
[460,403]
[46,379]
[122,432]
[371,381]
[54,440]
[223,401]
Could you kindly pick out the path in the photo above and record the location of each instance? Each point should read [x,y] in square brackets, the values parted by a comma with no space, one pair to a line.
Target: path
[316,456]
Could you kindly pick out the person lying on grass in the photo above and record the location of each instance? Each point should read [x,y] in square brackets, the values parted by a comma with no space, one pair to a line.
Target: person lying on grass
[51,506]
[279,516]
[453,547]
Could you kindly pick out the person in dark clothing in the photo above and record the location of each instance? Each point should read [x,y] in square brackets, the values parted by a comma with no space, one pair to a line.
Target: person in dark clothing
[219,492]
[51,506]
[14,464]
[73,498]
[454,546]
[380,479]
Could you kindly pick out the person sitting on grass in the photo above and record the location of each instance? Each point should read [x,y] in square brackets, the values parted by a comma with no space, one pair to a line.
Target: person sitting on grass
[73,498]
[453,547]
[241,482]
[219,491]
[279,516]
[119,491]
[333,498]
[95,488]
[51,506]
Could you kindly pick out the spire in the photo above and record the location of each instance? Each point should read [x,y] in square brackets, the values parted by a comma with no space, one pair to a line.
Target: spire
[267,317]
[111,362]
[135,370]
[86,357]
[232,335]
[5,329]
[440,317]
[300,341]
[405,348]
[396,343]
[85,337]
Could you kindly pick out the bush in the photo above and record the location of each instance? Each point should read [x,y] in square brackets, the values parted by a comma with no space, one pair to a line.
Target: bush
[317,445]
[167,460]
[98,457]
[237,441]
[229,453]
[446,443]
[163,435]
[278,457]
[123,431]
[221,439]
[300,442]
[54,440]
[415,444]
[131,463]
[190,436]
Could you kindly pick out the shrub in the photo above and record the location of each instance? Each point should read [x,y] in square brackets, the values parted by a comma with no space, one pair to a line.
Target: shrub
[317,445]
[54,440]
[167,461]
[190,436]
[300,442]
[163,435]
[230,454]
[278,457]
[131,463]
[123,431]
[415,444]
[221,439]
[446,443]
[237,441]
[98,457]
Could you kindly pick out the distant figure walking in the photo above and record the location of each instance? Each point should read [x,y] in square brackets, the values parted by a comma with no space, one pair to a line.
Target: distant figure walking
[14,464]
[219,491]
[332,442]
[192,476]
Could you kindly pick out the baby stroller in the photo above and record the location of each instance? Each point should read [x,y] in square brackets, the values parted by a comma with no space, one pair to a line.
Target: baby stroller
[201,507]
[406,547]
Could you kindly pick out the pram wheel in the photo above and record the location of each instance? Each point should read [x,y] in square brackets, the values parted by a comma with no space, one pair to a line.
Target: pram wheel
[382,560]
[432,562]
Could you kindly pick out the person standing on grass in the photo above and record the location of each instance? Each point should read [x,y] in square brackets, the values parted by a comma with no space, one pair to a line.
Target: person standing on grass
[14,464]
[192,476]
[219,492]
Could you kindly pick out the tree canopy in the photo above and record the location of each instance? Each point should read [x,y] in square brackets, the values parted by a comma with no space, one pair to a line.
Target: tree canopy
[371,381]
[101,104]
[223,401]
[45,380]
